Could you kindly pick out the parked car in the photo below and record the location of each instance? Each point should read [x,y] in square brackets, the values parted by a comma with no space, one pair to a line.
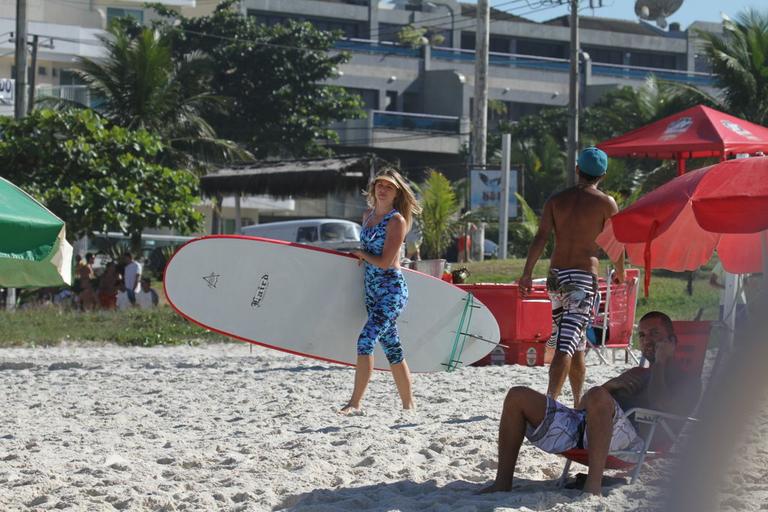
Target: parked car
[490,249]
[336,234]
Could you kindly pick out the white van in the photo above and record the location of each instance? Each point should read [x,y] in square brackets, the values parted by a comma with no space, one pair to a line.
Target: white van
[336,234]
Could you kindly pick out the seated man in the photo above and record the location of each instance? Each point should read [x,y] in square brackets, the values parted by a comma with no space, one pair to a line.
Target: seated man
[599,424]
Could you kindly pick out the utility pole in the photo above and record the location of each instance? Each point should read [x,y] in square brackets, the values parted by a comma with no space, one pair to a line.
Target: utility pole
[573,97]
[506,150]
[480,124]
[33,74]
[20,105]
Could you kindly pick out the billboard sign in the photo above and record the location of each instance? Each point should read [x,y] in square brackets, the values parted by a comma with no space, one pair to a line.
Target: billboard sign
[7,86]
[486,190]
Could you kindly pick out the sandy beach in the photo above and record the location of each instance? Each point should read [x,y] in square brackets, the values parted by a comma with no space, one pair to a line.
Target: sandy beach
[224,427]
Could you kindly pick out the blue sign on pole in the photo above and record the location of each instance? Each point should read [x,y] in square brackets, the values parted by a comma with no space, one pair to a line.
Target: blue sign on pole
[486,190]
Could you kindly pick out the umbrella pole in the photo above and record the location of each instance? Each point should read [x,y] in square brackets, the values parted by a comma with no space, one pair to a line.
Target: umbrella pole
[10,299]
[764,241]
[680,166]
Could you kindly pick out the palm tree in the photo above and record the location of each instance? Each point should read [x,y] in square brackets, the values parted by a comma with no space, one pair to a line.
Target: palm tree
[628,108]
[140,86]
[739,60]
[438,216]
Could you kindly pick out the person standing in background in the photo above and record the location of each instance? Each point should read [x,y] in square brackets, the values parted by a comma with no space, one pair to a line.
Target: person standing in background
[108,286]
[576,215]
[131,276]
[86,277]
[717,280]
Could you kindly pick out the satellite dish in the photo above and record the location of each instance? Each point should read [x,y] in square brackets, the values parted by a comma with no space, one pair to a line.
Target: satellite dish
[656,10]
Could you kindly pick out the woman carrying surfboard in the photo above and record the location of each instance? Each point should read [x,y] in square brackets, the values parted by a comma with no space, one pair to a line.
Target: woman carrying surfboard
[392,208]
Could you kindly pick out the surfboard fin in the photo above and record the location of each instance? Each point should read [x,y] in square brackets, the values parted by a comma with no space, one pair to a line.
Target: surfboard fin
[461,337]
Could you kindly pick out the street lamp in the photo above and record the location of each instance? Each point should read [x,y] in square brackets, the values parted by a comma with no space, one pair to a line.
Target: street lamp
[432,7]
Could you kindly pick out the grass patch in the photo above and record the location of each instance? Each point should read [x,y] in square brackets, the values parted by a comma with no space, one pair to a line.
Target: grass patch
[667,292]
[51,326]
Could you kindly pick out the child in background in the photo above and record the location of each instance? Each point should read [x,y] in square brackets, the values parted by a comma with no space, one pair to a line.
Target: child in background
[123,301]
[147,298]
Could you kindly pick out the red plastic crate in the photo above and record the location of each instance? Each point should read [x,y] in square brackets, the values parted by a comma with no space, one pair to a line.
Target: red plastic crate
[520,319]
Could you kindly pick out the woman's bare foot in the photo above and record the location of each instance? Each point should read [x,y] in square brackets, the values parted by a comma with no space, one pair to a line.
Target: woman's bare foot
[351,410]
[495,487]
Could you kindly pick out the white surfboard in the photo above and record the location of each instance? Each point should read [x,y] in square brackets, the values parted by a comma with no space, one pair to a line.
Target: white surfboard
[310,301]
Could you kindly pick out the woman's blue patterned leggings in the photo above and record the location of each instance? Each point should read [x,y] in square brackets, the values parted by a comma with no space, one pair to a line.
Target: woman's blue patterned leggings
[386,294]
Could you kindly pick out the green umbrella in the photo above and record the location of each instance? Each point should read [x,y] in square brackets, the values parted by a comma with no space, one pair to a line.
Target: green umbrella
[33,249]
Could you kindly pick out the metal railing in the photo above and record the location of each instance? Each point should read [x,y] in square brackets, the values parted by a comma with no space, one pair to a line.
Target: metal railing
[526,61]
[376,47]
[74,93]
[640,73]
[415,122]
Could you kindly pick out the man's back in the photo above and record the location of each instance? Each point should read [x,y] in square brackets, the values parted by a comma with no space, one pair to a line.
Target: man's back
[579,214]
[131,276]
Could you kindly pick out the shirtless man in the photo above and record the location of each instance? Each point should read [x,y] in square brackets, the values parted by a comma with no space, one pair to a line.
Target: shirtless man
[599,424]
[577,215]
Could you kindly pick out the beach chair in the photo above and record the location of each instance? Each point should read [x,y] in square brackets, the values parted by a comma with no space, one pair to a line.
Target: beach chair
[614,322]
[692,339]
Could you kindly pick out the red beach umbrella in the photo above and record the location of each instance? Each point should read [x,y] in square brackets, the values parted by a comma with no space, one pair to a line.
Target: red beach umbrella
[697,132]
[680,224]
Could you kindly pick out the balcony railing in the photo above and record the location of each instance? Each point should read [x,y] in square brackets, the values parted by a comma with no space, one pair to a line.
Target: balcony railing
[527,62]
[415,122]
[640,73]
[74,93]
[376,47]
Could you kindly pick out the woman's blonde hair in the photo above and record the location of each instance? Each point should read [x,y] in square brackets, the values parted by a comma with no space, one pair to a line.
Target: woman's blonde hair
[405,201]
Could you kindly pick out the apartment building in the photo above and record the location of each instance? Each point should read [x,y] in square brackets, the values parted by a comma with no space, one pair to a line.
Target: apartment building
[66,30]
[418,100]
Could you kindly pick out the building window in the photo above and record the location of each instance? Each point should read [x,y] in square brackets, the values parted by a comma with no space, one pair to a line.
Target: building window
[54,72]
[42,71]
[388,32]
[114,13]
[653,60]
[412,102]
[498,44]
[467,40]
[390,101]
[518,111]
[605,55]
[370,97]
[69,77]
[498,111]
[542,48]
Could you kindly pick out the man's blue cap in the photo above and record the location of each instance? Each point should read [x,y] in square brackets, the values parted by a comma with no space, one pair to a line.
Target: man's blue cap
[593,161]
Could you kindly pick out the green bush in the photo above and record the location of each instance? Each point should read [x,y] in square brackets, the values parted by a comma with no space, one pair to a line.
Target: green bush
[51,326]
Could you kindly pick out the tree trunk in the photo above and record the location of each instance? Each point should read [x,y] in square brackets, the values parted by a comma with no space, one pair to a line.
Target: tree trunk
[216,214]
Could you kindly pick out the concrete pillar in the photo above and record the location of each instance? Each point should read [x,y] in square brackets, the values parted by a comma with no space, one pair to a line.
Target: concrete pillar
[426,58]
[373,20]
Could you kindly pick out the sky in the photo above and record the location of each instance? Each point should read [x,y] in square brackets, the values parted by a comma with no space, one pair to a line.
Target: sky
[691,10]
